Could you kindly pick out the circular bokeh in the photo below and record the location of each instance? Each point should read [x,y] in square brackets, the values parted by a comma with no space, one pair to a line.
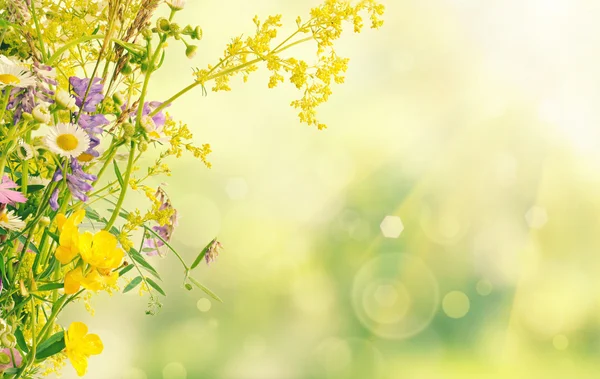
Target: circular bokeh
[395,295]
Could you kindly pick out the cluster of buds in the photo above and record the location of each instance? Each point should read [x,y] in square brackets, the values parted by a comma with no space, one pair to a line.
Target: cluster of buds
[164,27]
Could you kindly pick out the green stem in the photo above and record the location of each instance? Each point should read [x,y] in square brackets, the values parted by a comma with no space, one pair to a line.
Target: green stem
[70,44]
[187,269]
[119,204]
[219,74]
[39,33]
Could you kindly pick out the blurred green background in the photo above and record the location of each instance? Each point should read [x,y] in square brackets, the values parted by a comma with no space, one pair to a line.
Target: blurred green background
[446,225]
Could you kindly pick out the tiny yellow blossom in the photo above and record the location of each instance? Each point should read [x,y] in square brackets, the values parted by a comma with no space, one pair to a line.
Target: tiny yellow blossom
[80,346]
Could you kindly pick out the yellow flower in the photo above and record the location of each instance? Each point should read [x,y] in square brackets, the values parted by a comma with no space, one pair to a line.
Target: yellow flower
[69,236]
[100,250]
[93,280]
[81,345]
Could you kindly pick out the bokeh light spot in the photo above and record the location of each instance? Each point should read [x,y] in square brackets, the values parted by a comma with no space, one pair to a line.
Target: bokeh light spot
[236,188]
[174,370]
[456,304]
[484,287]
[560,342]
[391,226]
[203,305]
[395,295]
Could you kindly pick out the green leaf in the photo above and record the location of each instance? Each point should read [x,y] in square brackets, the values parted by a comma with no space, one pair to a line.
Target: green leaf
[155,286]
[206,290]
[134,283]
[143,262]
[21,340]
[31,246]
[53,345]
[51,286]
[49,269]
[202,254]
[55,237]
[92,214]
[125,270]
[118,172]
[34,188]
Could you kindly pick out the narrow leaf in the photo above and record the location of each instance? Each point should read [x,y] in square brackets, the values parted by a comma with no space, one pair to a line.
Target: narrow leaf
[134,283]
[202,254]
[206,290]
[125,270]
[31,246]
[118,172]
[53,345]
[21,340]
[51,286]
[155,286]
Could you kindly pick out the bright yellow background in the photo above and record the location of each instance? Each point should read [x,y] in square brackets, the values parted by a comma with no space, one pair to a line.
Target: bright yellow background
[475,122]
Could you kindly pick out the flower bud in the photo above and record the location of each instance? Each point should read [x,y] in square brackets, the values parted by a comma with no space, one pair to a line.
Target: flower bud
[41,114]
[65,100]
[126,70]
[163,25]
[143,146]
[3,326]
[190,51]
[128,129]
[118,98]
[4,359]
[197,33]
[147,33]
[26,116]
[8,340]
[188,286]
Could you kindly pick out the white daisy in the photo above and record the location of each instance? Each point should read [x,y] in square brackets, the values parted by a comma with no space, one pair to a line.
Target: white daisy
[16,76]
[10,221]
[67,140]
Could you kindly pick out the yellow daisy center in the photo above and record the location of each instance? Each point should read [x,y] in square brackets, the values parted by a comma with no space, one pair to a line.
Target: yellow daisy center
[85,157]
[3,217]
[9,79]
[67,142]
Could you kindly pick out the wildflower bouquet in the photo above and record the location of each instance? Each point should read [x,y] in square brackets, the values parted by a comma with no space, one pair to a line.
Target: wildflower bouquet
[75,121]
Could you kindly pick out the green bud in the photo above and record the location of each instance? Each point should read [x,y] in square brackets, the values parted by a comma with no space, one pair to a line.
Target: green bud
[188,286]
[126,70]
[187,30]
[144,66]
[190,51]
[4,359]
[143,146]
[118,98]
[128,129]
[175,28]
[163,25]
[147,33]
[27,116]
[197,33]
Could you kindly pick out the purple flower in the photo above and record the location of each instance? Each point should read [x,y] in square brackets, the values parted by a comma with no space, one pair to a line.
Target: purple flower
[159,118]
[94,96]
[54,200]
[76,182]
[213,251]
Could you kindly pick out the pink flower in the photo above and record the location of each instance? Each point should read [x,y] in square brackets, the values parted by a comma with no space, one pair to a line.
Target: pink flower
[17,362]
[7,195]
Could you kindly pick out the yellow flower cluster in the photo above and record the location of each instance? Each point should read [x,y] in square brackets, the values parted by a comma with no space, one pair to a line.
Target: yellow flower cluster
[324,27]
[98,252]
